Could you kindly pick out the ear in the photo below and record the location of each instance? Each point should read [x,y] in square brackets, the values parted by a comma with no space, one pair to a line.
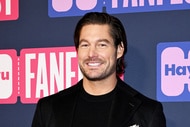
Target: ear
[120,50]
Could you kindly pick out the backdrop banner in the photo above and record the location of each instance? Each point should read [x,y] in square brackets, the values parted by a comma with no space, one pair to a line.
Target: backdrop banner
[38,57]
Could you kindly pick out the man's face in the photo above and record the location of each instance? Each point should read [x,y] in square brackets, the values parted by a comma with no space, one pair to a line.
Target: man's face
[97,54]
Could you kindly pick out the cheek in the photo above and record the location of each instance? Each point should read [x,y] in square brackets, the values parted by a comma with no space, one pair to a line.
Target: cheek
[112,57]
[80,54]
[81,57]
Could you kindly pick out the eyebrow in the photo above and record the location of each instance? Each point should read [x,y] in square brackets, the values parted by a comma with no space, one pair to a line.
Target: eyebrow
[99,40]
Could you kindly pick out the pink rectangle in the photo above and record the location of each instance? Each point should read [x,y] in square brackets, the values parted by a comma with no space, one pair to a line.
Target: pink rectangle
[45,71]
[8,76]
[9,9]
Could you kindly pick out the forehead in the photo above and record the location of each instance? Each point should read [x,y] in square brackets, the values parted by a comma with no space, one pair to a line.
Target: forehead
[90,30]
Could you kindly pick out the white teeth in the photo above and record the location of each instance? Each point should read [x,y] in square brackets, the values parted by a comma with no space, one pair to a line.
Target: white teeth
[93,64]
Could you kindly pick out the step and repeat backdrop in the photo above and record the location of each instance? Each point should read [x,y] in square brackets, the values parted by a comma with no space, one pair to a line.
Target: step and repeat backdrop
[38,58]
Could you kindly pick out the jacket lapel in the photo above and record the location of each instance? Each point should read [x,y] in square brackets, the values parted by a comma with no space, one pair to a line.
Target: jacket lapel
[124,105]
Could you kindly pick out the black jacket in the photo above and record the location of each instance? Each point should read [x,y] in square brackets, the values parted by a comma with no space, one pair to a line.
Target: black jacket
[129,108]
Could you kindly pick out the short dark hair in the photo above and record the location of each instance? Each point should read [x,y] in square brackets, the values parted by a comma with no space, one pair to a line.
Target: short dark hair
[117,32]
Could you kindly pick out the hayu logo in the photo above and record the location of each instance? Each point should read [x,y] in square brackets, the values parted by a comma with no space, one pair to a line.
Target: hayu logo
[63,8]
[8,76]
[5,76]
[8,10]
[173,71]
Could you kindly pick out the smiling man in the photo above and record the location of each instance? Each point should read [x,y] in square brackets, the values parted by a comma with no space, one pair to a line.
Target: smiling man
[101,98]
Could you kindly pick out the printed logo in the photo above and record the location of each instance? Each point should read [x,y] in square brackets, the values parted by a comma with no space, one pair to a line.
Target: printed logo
[46,71]
[9,10]
[37,73]
[8,76]
[63,8]
[173,71]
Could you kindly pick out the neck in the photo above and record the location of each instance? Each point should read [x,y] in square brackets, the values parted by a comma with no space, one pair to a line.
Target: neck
[100,87]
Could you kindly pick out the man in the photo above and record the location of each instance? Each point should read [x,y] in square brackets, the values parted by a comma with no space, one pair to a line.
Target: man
[101,98]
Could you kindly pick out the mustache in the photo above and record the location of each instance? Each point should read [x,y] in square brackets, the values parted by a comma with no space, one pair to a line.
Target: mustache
[93,59]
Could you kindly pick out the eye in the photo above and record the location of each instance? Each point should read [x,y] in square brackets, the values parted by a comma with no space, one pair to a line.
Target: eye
[84,45]
[102,45]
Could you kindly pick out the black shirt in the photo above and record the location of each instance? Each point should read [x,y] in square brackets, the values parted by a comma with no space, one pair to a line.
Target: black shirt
[93,111]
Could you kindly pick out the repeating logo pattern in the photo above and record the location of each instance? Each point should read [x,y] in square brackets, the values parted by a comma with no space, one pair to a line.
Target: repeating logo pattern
[36,73]
[64,8]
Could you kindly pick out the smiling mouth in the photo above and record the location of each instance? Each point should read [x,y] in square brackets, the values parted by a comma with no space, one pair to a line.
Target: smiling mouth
[93,64]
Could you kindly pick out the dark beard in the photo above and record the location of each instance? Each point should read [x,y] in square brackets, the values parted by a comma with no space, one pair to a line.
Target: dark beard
[104,75]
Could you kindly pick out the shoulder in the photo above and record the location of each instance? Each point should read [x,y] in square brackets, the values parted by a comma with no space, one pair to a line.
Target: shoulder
[149,109]
[48,106]
[63,95]
[146,102]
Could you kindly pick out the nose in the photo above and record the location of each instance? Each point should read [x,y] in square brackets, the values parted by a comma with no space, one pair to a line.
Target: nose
[92,51]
